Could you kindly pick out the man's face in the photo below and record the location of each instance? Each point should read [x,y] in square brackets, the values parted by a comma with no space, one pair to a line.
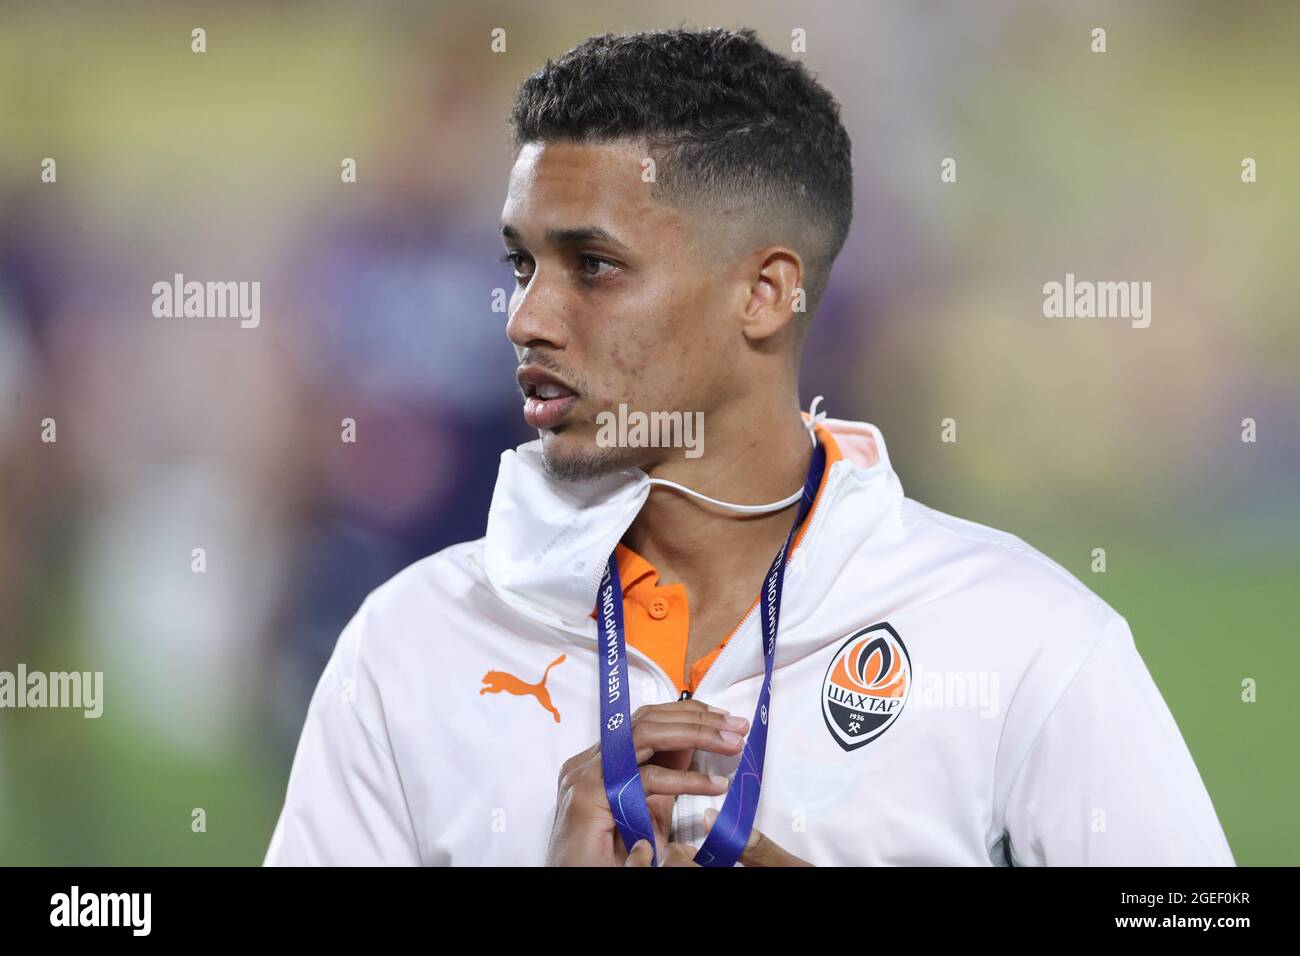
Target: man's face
[616,300]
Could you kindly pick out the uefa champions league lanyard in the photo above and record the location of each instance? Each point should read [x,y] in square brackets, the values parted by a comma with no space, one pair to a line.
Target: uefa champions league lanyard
[730,832]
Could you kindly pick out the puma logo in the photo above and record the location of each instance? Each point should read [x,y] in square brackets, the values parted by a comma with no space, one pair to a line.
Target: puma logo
[497,681]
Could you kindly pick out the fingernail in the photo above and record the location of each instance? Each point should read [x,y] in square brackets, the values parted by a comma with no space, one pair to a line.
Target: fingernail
[737,722]
[718,779]
[729,737]
[710,815]
[717,710]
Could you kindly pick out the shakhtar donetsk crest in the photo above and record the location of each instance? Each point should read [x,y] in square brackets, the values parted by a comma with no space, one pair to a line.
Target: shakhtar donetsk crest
[866,686]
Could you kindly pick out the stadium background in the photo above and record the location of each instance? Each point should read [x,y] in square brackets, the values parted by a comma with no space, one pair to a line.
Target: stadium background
[175,434]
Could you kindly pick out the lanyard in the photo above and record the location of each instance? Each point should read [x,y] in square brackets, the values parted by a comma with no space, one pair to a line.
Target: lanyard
[730,832]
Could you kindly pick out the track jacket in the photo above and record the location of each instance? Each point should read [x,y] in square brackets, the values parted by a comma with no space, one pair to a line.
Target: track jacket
[943,694]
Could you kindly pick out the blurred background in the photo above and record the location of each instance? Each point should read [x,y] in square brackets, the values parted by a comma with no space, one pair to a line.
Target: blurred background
[178,434]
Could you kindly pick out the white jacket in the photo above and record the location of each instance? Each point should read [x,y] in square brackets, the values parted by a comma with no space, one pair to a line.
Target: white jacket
[1029,731]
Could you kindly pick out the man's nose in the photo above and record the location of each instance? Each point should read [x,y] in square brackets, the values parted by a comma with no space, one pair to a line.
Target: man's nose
[538,316]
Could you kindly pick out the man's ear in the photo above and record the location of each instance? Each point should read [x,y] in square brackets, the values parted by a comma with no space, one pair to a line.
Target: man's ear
[775,293]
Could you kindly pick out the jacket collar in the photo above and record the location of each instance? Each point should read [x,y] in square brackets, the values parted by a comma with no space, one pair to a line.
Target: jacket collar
[547,541]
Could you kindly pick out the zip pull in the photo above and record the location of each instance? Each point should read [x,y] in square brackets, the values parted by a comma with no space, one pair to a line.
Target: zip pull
[686,695]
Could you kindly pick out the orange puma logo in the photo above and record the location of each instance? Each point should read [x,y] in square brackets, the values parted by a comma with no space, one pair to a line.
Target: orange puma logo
[497,681]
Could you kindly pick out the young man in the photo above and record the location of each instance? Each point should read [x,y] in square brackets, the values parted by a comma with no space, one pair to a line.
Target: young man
[849,676]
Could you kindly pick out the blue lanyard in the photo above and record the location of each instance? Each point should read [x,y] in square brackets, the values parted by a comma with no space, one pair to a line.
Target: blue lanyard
[730,832]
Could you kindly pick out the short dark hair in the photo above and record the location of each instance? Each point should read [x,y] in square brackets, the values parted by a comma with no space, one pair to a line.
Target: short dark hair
[725,118]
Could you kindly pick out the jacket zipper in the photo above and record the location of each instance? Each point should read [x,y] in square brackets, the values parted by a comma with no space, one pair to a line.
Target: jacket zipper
[652,664]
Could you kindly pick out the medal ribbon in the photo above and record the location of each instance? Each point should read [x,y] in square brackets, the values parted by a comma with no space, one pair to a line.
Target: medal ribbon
[726,840]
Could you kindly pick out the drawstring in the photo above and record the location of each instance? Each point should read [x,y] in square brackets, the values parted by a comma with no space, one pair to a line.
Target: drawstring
[815,418]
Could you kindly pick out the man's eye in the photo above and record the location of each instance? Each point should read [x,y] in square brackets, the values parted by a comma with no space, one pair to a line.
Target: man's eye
[515,259]
[591,265]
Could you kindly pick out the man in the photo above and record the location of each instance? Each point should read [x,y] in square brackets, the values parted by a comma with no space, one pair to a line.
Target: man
[897,686]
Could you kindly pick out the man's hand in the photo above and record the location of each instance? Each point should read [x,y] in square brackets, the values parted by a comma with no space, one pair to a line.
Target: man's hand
[759,851]
[677,854]
[665,737]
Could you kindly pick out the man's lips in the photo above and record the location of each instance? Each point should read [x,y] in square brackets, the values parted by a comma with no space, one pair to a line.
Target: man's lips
[547,412]
[547,399]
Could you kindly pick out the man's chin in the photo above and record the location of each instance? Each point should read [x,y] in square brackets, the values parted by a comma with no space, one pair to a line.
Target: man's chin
[566,458]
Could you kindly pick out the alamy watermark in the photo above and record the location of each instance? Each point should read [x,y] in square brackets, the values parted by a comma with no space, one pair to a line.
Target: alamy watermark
[957,690]
[130,910]
[208,300]
[1084,299]
[57,689]
[626,429]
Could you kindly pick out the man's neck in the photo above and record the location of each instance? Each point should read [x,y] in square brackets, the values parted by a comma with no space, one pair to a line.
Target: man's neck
[756,458]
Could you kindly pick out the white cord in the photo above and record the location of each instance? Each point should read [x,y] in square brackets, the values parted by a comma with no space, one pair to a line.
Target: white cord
[814,419]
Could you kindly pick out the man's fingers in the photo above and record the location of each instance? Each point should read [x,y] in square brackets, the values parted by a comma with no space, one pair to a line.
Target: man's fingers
[661,780]
[641,854]
[652,737]
[674,730]
[692,724]
[676,854]
[704,719]
[679,854]
[587,799]
[759,850]
[708,718]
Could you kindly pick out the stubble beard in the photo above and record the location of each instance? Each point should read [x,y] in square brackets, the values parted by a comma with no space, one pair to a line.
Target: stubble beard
[584,464]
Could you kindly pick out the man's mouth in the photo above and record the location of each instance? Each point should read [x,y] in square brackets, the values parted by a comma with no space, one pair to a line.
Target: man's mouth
[547,399]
